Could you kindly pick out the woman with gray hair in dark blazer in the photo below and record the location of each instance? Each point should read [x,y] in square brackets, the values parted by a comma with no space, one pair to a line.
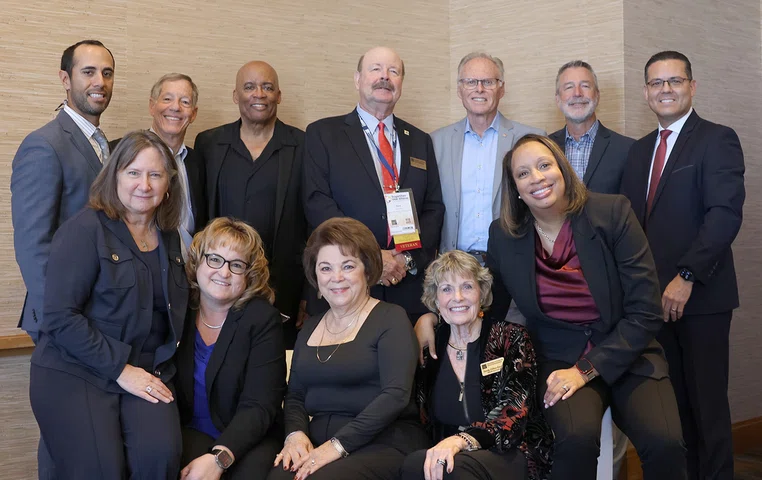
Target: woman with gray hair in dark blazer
[115,300]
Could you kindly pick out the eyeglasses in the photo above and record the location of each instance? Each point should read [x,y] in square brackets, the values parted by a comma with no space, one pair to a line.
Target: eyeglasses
[216,262]
[487,83]
[674,82]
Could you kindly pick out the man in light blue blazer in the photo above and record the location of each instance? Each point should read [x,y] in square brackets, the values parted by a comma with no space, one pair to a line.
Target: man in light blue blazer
[470,155]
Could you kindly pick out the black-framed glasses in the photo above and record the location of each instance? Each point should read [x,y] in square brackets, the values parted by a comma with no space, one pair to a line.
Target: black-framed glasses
[674,82]
[216,262]
[487,83]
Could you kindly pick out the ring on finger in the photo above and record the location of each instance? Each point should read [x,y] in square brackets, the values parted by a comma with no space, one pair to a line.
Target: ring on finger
[673,309]
[312,462]
[441,462]
[566,388]
[149,389]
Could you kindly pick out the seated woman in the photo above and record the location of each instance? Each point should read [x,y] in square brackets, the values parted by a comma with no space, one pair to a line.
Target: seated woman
[479,400]
[115,300]
[578,266]
[231,362]
[349,410]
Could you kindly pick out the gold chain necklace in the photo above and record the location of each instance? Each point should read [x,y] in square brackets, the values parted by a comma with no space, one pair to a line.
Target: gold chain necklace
[539,229]
[325,327]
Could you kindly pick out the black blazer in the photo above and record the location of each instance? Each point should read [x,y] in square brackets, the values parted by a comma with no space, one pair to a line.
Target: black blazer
[340,180]
[99,301]
[607,159]
[290,234]
[697,210]
[245,377]
[621,275]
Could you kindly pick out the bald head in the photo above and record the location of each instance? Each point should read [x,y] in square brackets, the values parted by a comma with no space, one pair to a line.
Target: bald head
[379,81]
[383,51]
[257,92]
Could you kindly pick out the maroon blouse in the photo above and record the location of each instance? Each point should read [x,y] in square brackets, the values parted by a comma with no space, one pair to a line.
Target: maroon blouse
[562,291]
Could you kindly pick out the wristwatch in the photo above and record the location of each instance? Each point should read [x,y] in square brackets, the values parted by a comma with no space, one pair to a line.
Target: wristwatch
[586,368]
[687,275]
[410,265]
[223,458]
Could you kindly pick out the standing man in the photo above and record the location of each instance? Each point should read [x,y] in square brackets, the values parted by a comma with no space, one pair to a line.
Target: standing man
[686,184]
[55,165]
[356,163]
[596,153]
[253,173]
[470,155]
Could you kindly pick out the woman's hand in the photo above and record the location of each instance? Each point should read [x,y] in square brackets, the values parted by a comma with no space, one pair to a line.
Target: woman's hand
[424,332]
[202,468]
[295,452]
[444,451]
[317,459]
[562,384]
[142,384]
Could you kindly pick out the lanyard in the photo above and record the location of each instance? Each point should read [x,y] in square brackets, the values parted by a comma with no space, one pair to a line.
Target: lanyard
[384,162]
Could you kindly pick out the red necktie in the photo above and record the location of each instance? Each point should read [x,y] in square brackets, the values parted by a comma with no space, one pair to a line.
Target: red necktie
[386,151]
[658,166]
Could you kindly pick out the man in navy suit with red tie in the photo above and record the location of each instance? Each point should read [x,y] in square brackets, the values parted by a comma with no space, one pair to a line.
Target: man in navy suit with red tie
[686,184]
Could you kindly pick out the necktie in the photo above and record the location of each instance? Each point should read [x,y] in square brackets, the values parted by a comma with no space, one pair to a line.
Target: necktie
[658,166]
[100,139]
[386,151]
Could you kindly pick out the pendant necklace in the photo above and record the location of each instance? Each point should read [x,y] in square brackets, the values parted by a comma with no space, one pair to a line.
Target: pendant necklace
[458,351]
[325,327]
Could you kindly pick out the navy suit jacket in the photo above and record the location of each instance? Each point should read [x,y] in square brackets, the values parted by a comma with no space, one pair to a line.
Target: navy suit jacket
[52,173]
[697,210]
[607,159]
[340,180]
[99,301]
[620,272]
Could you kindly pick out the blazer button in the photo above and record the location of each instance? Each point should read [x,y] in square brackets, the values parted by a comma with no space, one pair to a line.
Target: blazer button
[383,217]
[588,332]
[178,260]
[115,257]
[169,306]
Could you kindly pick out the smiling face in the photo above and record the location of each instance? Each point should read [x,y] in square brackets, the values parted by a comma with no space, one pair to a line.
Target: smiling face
[88,88]
[340,278]
[173,110]
[668,102]
[220,286]
[577,94]
[142,185]
[257,93]
[539,181]
[480,101]
[459,299]
[379,81]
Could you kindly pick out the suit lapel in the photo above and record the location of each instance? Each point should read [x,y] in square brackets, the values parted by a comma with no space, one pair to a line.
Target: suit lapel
[600,143]
[214,164]
[593,262]
[285,165]
[505,141]
[674,155]
[524,261]
[456,156]
[80,141]
[356,136]
[406,149]
[221,348]
[640,171]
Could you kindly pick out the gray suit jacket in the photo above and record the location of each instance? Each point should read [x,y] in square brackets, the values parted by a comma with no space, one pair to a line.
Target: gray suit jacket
[52,173]
[448,147]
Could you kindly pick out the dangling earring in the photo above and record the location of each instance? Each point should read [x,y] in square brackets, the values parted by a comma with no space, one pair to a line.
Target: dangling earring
[319,295]
[439,317]
[481,313]
[167,194]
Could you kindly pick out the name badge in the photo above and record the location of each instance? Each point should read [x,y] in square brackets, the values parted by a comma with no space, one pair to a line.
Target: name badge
[493,366]
[418,163]
[402,220]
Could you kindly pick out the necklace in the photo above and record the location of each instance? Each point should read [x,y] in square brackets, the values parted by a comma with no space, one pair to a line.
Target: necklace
[458,351]
[350,323]
[213,327]
[325,327]
[539,229]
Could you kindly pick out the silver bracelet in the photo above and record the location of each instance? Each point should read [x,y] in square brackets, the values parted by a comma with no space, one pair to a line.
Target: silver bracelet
[289,436]
[471,442]
[339,447]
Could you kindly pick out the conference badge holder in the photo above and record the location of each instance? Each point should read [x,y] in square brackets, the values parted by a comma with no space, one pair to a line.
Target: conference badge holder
[403,219]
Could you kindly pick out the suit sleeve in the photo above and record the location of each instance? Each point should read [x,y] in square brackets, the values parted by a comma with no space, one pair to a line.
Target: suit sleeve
[73,270]
[431,216]
[319,204]
[501,298]
[36,186]
[209,209]
[641,319]
[263,388]
[723,195]
[294,412]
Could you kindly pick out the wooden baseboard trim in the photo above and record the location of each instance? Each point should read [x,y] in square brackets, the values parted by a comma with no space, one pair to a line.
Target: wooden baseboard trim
[15,342]
[747,435]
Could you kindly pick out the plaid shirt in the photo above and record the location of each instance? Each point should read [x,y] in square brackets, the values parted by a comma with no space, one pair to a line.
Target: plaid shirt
[578,153]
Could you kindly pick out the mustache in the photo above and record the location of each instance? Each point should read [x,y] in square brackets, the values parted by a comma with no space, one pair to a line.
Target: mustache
[383,84]
[579,101]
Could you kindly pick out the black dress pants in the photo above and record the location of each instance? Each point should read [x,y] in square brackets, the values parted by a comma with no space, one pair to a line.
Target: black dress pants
[697,349]
[94,434]
[256,463]
[477,465]
[644,409]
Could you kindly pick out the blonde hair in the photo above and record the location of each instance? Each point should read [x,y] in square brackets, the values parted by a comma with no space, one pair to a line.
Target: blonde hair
[456,262]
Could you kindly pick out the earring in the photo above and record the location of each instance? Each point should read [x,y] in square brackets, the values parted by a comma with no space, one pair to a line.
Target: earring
[167,195]
[439,317]
[481,313]
[519,197]
[319,295]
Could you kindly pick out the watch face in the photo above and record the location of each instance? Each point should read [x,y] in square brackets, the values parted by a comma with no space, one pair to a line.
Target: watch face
[224,460]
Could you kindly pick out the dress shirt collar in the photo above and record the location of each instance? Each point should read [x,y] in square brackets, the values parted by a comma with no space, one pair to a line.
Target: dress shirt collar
[372,122]
[590,134]
[495,125]
[87,128]
[181,152]
[676,126]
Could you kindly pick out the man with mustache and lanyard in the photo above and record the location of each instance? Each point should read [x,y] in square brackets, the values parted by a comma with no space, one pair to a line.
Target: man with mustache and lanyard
[368,163]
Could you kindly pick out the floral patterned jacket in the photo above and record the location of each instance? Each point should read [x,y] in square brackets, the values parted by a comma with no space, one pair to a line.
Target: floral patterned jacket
[513,418]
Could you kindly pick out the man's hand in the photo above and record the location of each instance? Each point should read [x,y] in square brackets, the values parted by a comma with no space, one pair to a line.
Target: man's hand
[424,332]
[394,267]
[675,297]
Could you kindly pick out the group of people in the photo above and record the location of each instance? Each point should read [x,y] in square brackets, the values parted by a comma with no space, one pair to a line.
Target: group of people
[164,283]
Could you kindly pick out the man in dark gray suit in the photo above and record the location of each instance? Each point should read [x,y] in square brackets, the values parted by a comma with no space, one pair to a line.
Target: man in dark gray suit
[55,165]
[597,154]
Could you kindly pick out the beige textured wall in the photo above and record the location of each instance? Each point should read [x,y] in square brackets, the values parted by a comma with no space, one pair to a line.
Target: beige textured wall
[723,44]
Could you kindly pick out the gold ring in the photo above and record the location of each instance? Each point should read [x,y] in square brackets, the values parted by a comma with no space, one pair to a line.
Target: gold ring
[566,387]
[394,281]
[149,389]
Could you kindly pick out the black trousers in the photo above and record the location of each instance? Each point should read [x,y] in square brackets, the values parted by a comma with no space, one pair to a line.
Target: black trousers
[697,349]
[478,465]
[256,463]
[91,433]
[644,409]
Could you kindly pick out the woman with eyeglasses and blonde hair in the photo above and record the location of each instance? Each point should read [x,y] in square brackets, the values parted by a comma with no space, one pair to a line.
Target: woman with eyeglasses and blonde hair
[231,360]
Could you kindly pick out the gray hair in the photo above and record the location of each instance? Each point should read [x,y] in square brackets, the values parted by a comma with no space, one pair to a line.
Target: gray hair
[498,63]
[173,77]
[576,64]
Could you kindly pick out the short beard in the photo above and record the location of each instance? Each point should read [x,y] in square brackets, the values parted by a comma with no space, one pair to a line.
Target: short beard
[80,101]
[585,116]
